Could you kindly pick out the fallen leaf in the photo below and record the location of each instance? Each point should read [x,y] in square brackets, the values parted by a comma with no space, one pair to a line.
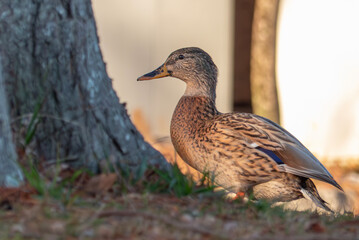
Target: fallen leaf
[316,227]
[100,184]
[10,196]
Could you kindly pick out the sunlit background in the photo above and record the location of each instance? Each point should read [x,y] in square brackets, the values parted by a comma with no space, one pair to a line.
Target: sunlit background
[317,62]
[318,74]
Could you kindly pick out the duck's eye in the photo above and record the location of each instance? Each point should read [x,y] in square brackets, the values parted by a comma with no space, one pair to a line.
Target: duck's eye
[181,57]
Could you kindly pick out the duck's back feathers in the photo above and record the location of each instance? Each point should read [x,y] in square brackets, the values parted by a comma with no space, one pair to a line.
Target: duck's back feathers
[281,146]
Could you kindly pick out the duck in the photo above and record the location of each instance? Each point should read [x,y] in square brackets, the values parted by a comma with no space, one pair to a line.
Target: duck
[243,152]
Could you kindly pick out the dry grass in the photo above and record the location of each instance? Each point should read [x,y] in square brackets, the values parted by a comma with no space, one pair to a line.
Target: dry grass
[164,216]
[81,206]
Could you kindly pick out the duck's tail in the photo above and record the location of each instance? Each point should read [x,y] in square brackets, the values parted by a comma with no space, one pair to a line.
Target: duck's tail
[309,191]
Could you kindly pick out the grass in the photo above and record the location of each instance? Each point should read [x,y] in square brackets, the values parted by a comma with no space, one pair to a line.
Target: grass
[152,204]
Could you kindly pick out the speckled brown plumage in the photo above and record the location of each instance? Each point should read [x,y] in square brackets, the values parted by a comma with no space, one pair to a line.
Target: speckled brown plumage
[242,151]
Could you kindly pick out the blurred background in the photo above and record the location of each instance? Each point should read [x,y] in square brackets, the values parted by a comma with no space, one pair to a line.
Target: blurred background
[293,61]
[316,61]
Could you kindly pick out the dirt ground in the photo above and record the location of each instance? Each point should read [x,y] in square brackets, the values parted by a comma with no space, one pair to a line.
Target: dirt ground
[165,216]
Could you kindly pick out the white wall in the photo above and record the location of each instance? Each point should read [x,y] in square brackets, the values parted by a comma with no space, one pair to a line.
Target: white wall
[318,74]
[136,36]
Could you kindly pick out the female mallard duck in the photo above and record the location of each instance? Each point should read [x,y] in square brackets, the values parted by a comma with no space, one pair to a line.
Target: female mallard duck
[245,152]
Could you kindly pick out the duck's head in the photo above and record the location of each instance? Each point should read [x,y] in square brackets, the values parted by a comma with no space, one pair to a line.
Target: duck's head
[193,66]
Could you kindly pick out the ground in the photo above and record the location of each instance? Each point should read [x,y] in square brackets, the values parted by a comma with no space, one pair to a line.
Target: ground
[153,205]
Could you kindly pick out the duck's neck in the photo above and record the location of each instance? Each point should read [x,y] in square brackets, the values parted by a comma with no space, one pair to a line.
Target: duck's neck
[202,87]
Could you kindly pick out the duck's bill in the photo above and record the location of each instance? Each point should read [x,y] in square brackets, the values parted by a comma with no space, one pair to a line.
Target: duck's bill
[158,73]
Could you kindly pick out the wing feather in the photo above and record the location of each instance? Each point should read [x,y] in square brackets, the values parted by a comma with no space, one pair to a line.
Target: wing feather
[260,132]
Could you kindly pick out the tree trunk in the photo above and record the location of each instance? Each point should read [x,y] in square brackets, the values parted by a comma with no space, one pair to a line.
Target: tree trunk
[10,174]
[263,75]
[62,104]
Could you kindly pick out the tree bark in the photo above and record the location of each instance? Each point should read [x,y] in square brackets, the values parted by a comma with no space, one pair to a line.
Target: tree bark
[10,173]
[263,74]
[62,104]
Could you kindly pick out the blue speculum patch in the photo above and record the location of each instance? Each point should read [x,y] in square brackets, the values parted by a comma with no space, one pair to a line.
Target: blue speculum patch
[271,155]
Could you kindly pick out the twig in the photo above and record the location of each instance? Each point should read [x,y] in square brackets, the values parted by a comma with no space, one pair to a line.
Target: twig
[60,160]
[87,223]
[121,178]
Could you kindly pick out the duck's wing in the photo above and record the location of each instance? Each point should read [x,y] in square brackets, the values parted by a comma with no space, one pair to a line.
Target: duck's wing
[262,134]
